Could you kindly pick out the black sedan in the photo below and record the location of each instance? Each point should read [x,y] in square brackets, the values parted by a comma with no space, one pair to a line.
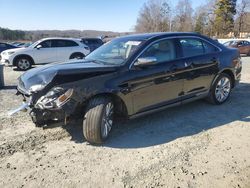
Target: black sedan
[128,77]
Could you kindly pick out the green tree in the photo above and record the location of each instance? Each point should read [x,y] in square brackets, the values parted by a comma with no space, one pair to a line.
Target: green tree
[200,23]
[154,16]
[224,17]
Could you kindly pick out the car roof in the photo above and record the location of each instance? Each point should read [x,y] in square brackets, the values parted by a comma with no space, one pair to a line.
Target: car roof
[60,38]
[146,36]
[89,38]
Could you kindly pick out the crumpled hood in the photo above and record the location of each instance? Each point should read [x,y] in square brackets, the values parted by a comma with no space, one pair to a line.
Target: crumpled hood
[76,68]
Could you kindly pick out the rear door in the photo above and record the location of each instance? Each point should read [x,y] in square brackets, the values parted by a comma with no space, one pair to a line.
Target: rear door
[46,54]
[65,48]
[201,65]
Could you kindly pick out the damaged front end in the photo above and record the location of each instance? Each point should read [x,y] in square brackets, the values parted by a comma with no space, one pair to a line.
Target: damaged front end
[56,93]
[55,106]
[45,108]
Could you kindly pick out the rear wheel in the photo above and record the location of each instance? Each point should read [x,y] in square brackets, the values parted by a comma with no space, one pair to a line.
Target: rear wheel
[98,120]
[221,89]
[23,63]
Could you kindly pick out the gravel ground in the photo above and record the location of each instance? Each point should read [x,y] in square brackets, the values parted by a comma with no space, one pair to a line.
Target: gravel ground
[195,145]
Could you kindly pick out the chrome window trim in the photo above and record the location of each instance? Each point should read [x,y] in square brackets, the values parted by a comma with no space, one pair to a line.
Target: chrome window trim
[197,37]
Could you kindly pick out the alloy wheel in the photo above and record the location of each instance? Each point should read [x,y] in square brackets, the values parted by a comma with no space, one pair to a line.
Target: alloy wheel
[223,89]
[23,64]
[107,120]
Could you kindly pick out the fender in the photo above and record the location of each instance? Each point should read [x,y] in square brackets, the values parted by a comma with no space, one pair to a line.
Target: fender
[225,70]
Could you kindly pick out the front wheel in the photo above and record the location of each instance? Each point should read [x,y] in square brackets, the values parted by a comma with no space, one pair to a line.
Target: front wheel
[221,89]
[98,120]
[23,63]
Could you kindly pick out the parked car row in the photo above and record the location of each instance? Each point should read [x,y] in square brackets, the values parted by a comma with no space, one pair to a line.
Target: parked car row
[49,50]
[128,77]
[242,45]
[20,44]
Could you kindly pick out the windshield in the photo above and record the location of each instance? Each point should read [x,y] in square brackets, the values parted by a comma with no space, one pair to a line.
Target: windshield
[230,43]
[115,52]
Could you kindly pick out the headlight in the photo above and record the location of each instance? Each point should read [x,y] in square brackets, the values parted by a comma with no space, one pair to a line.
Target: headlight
[9,53]
[55,98]
[35,88]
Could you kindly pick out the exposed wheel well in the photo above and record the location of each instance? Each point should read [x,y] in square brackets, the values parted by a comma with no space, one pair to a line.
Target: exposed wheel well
[120,107]
[23,56]
[230,73]
[76,53]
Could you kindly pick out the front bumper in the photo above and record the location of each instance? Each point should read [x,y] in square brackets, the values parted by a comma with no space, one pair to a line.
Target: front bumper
[44,117]
[6,59]
[63,115]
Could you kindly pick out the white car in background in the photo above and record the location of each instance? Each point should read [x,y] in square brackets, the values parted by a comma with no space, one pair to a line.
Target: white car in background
[44,51]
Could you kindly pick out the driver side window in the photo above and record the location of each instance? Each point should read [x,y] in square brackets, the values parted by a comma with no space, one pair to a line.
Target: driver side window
[46,44]
[163,51]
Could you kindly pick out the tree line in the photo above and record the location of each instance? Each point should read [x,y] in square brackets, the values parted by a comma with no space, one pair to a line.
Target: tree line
[13,35]
[215,18]
[7,34]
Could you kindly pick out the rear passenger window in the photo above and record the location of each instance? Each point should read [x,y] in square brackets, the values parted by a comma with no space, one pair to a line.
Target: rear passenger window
[64,43]
[209,48]
[195,47]
[70,43]
[191,47]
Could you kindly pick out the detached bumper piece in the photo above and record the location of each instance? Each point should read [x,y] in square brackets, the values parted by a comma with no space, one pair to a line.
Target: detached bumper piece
[42,118]
[48,118]
[23,107]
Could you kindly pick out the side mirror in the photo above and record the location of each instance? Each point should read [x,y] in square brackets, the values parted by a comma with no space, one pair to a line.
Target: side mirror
[38,46]
[145,61]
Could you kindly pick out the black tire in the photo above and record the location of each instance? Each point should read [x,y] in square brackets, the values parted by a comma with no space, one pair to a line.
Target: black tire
[212,96]
[77,56]
[95,120]
[23,63]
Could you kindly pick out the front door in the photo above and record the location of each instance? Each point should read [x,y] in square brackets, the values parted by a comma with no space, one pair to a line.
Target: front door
[159,84]
[46,54]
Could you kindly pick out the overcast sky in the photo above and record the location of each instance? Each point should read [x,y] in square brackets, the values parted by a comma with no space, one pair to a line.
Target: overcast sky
[108,15]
